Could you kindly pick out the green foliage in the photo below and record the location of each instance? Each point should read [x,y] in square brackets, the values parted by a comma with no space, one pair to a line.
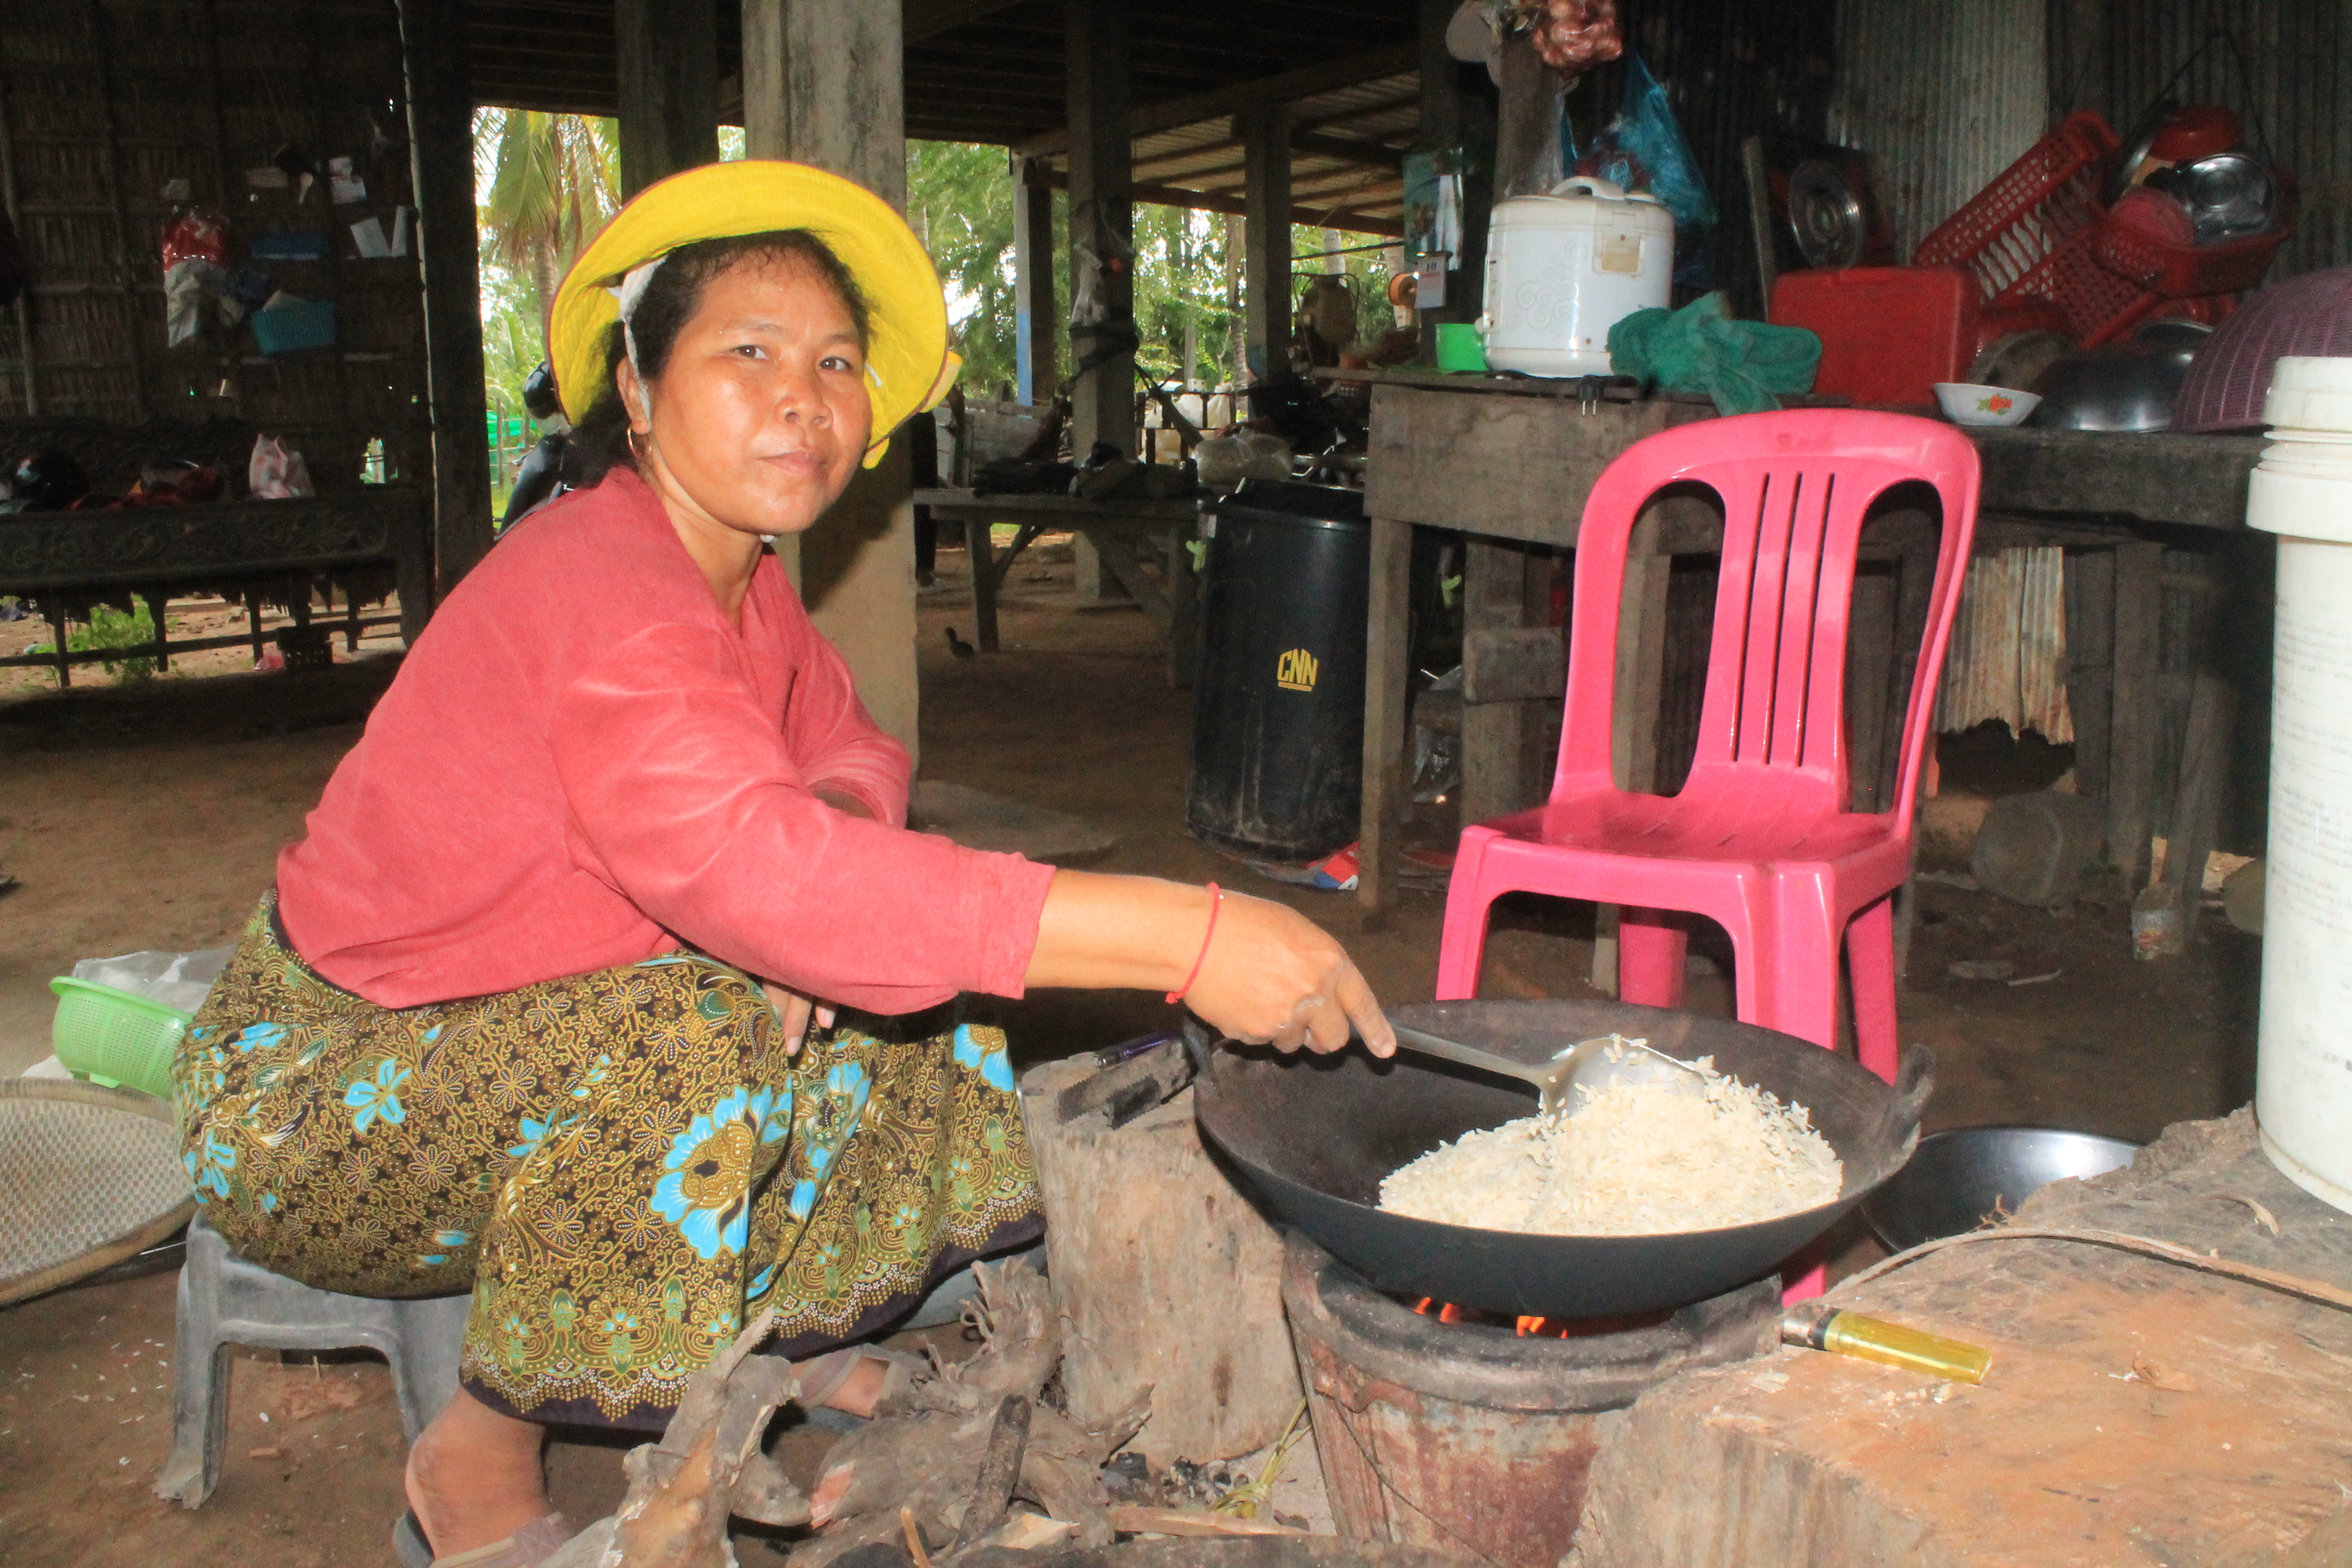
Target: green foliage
[544,185]
[960,201]
[109,627]
[546,182]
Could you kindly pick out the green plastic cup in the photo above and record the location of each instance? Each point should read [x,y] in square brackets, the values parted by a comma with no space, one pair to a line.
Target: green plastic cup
[1460,348]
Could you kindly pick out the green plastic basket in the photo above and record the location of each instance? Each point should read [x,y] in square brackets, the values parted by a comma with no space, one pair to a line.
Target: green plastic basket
[116,1037]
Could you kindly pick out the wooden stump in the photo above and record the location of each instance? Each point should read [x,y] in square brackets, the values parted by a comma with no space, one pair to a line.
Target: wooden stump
[1166,1279]
[2137,1412]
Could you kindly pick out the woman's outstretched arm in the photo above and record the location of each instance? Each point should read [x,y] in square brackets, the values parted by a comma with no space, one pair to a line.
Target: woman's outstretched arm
[1269,973]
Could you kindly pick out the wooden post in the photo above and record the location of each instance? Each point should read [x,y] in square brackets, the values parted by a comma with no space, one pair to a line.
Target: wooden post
[1094,37]
[22,307]
[1387,671]
[1265,288]
[2196,797]
[55,611]
[1102,222]
[824,83]
[1494,735]
[981,548]
[136,340]
[1872,714]
[441,154]
[1919,538]
[2090,665]
[1037,328]
[1183,604]
[2136,719]
[1634,709]
[668,63]
[1640,661]
[1447,116]
[1165,1276]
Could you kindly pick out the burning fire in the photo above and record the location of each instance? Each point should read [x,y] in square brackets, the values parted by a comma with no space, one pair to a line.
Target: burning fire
[1529,1328]
[1536,1328]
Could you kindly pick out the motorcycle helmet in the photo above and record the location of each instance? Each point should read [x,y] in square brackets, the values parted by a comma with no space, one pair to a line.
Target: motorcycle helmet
[539,394]
[47,481]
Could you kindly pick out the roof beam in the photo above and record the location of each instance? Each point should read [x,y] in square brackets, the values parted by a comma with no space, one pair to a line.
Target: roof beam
[926,19]
[1225,157]
[1217,202]
[1169,113]
[1348,149]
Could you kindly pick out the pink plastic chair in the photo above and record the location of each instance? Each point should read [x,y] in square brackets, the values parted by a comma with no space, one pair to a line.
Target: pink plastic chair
[1760,839]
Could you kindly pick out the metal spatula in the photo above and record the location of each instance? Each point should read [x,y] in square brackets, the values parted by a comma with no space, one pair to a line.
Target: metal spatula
[1595,1063]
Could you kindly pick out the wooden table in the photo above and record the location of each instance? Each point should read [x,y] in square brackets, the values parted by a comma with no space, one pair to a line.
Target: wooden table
[240,548]
[1120,532]
[1510,462]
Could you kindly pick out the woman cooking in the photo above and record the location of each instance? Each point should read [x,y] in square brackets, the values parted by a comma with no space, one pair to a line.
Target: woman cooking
[544,1005]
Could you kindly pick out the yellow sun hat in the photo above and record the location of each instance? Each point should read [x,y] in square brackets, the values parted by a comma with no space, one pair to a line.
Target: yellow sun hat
[907,361]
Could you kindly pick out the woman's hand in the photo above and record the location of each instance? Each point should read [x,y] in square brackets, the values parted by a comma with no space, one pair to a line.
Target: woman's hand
[1273,976]
[1269,973]
[796,1010]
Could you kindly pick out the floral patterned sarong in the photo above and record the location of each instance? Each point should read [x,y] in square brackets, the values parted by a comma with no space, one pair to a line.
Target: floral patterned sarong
[624,1166]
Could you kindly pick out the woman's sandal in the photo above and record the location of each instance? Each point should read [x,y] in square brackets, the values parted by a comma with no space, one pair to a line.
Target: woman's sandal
[821,1378]
[533,1544]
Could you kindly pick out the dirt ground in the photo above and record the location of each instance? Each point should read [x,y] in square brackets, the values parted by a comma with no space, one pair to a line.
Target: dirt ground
[147,817]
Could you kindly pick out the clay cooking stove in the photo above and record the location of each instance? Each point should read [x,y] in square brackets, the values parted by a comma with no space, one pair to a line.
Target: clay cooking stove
[1436,1429]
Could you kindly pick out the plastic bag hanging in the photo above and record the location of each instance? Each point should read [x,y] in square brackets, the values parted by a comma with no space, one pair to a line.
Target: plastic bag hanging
[1643,149]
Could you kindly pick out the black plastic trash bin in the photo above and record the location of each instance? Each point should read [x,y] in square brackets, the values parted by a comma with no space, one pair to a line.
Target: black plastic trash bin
[1279,704]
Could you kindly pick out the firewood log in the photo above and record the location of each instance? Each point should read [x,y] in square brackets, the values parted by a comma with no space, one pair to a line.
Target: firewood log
[707,1467]
[932,1461]
[1021,1342]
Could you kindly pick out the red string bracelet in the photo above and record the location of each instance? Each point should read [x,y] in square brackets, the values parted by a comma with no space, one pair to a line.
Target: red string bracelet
[1216,902]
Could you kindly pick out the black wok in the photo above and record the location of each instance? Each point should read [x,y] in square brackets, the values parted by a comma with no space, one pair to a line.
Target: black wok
[1314,1135]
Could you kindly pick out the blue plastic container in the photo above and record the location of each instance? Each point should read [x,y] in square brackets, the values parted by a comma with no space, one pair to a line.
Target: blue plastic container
[292,328]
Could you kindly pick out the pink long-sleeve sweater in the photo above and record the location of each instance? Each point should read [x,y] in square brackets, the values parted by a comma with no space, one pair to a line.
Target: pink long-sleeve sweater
[582,764]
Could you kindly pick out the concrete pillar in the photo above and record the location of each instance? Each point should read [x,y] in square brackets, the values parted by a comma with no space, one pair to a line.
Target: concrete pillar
[1266,167]
[1037,330]
[1095,36]
[666,57]
[824,83]
[441,154]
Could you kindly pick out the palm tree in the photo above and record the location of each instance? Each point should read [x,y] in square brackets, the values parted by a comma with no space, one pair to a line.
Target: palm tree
[549,183]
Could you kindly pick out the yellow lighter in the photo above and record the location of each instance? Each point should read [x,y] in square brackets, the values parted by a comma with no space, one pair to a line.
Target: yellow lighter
[1873,1339]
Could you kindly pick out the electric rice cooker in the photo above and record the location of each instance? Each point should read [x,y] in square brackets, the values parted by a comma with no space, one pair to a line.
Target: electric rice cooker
[1563,269]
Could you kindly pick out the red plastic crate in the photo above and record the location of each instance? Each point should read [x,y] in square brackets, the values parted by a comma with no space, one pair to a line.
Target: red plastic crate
[2008,235]
[2189,271]
[1888,333]
[2039,232]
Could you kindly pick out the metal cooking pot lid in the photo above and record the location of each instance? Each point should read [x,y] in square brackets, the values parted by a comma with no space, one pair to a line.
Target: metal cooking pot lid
[1825,213]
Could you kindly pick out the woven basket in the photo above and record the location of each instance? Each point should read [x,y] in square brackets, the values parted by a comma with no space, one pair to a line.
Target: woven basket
[89,1177]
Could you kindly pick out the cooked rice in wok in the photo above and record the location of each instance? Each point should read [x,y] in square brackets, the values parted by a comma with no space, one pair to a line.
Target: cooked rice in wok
[1631,1159]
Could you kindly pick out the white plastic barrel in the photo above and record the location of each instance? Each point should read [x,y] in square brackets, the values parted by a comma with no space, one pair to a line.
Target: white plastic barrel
[2303,492]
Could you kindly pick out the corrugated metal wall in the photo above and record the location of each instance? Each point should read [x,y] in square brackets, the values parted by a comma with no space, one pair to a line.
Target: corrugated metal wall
[1944,93]
[2116,57]
[1732,70]
[2007,658]
[1947,93]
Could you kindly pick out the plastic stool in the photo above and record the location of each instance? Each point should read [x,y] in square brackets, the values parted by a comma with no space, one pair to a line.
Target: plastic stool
[225,1300]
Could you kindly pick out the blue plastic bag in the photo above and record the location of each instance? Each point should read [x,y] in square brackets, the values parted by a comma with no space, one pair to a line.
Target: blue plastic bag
[1643,150]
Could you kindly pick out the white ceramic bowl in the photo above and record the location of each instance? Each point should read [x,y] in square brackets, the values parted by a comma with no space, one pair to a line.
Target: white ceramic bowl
[1965,403]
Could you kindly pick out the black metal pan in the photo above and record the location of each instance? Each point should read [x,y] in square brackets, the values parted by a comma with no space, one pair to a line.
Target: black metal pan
[1314,1135]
